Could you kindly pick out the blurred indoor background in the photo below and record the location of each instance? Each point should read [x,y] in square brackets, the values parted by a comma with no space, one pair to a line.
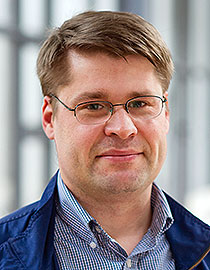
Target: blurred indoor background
[28,158]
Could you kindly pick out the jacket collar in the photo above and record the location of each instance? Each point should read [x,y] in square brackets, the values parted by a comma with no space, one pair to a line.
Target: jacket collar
[39,234]
[189,237]
[187,247]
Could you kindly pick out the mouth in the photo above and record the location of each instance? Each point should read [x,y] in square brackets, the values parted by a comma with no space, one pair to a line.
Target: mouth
[119,156]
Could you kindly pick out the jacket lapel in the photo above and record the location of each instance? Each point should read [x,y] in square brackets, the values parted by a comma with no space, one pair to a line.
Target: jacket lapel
[189,237]
[35,245]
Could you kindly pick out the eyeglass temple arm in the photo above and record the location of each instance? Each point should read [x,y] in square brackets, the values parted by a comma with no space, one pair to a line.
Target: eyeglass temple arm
[164,99]
[68,108]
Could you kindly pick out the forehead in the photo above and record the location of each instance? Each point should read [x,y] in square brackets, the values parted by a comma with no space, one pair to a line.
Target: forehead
[98,75]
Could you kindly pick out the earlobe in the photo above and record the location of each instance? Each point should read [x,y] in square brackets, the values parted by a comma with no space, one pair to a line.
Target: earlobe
[47,118]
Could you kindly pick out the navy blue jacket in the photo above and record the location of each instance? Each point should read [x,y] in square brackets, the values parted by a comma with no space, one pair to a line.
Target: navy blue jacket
[26,236]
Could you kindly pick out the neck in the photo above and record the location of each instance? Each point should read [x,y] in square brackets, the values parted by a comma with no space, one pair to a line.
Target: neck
[126,217]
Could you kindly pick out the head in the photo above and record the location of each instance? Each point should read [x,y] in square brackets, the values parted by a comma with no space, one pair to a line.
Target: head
[113,57]
[115,33]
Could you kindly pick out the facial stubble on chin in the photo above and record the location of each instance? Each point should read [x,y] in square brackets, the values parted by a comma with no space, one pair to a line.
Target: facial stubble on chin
[119,181]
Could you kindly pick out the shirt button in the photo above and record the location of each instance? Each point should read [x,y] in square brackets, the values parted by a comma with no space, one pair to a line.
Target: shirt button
[128,263]
[93,245]
[98,229]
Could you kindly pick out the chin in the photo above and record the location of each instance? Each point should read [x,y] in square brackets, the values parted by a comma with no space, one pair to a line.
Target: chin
[124,182]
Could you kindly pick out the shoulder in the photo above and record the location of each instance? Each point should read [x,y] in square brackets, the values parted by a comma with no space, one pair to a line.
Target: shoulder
[20,221]
[189,237]
[184,217]
[17,222]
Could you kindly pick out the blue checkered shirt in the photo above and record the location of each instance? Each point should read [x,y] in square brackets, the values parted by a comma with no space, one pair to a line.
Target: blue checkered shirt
[81,243]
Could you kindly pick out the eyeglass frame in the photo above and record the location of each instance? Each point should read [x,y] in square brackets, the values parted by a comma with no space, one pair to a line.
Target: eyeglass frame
[163,99]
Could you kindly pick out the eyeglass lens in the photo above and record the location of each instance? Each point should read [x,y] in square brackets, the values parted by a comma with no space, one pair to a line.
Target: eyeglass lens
[99,112]
[93,112]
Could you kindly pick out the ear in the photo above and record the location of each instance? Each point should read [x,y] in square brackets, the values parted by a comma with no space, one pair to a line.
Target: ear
[167,113]
[47,118]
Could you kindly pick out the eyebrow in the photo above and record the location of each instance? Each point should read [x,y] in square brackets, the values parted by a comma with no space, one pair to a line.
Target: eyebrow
[100,94]
[141,93]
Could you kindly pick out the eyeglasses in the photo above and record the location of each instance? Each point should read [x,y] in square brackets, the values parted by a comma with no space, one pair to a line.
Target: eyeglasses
[98,112]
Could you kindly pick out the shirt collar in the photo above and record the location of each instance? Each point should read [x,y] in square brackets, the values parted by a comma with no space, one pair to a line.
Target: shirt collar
[73,213]
[161,221]
[162,218]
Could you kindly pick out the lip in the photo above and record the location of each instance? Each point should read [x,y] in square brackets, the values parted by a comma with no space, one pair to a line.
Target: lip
[119,155]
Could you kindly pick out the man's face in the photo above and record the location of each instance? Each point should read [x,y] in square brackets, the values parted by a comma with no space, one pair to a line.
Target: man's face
[122,155]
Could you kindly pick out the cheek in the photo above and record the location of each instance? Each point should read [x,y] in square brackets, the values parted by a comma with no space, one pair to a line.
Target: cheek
[155,134]
[85,135]
[161,143]
[81,140]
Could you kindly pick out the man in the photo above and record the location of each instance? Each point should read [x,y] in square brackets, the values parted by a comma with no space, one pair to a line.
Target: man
[104,77]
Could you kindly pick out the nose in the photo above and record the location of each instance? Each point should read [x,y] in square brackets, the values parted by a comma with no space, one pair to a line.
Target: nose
[120,124]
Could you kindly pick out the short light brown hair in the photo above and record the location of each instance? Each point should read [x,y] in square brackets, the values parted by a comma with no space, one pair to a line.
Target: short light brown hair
[115,33]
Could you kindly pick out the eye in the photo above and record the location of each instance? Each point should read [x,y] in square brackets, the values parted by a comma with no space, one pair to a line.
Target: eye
[137,104]
[93,106]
